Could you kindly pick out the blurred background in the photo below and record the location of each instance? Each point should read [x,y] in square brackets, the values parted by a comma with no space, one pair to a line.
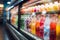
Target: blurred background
[29,19]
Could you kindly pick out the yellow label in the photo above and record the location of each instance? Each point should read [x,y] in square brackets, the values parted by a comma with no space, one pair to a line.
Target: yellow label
[33,29]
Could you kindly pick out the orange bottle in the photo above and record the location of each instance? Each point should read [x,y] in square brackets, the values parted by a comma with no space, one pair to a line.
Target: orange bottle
[38,26]
[53,28]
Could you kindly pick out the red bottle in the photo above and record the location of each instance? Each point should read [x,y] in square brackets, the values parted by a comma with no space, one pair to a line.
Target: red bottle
[53,28]
[42,20]
[37,28]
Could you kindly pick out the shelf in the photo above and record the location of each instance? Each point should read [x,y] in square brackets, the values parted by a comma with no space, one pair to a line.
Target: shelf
[16,34]
[15,26]
[35,37]
[32,4]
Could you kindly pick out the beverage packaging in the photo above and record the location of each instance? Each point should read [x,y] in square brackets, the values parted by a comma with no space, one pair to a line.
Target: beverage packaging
[53,27]
[58,29]
[47,27]
[32,24]
[55,6]
[42,20]
[38,25]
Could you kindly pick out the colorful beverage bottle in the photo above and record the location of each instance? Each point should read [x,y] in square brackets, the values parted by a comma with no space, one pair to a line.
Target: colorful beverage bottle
[58,29]
[38,25]
[27,24]
[23,22]
[37,28]
[50,8]
[55,7]
[47,7]
[53,28]
[12,20]
[42,20]
[33,27]
[47,28]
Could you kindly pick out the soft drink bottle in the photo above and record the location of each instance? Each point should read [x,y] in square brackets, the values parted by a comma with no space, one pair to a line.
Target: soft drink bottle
[13,20]
[50,7]
[53,27]
[38,25]
[27,24]
[33,27]
[55,6]
[47,27]
[42,20]
[22,22]
[47,7]
[58,29]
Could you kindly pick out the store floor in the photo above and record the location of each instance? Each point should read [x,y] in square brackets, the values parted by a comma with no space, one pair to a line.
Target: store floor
[1,33]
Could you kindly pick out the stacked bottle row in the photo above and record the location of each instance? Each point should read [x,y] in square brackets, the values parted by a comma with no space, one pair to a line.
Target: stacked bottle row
[45,26]
[44,7]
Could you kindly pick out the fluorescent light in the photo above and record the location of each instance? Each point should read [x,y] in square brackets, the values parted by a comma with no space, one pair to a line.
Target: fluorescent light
[9,8]
[8,2]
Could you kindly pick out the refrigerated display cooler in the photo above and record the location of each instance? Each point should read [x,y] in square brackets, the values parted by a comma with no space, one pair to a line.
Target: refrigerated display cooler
[41,21]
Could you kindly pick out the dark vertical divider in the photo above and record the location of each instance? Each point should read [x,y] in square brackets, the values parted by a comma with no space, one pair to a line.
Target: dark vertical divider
[19,13]
[18,18]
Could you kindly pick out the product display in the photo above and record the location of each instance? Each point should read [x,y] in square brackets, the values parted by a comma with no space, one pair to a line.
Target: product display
[44,7]
[42,21]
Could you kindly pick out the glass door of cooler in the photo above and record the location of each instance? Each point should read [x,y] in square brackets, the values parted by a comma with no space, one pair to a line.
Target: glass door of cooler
[14,16]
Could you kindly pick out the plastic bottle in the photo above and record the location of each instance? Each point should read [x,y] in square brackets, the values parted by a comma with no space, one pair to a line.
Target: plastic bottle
[33,27]
[42,20]
[27,24]
[53,27]
[55,6]
[22,21]
[38,25]
[58,29]
[47,27]
[50,8]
